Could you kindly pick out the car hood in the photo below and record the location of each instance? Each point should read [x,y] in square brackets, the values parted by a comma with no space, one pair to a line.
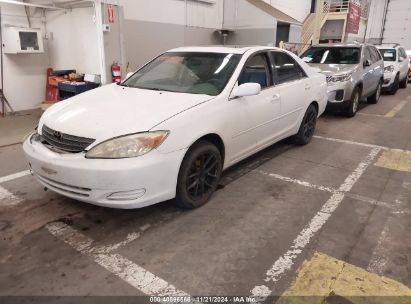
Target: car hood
[115,110]
[332,69]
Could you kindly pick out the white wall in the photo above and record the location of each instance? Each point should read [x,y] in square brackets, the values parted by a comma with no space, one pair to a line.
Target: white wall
[242,14]
[24,74]
[298,9]
[376,20]
[179,12]
[73,40]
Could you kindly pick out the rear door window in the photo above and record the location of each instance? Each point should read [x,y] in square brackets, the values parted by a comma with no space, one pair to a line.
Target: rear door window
[286,69]
[367,55]
[375,55]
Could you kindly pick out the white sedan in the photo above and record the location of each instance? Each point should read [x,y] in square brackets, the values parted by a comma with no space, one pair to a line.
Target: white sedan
[169,130]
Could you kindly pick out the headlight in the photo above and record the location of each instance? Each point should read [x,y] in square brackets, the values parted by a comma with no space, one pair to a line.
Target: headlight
[128,146]
[339,78]
[389,69]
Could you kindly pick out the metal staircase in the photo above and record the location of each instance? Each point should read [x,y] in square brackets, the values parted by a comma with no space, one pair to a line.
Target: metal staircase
[329,9]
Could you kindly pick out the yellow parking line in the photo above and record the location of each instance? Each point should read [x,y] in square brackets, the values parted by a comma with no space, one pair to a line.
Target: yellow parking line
[396,109]
[395,160]
[323,276]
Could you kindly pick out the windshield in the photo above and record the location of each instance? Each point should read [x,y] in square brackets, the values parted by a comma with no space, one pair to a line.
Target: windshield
[191,72]
[388,54]
[332,55]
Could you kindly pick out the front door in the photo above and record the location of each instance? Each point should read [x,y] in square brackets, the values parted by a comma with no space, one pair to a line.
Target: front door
[261,111]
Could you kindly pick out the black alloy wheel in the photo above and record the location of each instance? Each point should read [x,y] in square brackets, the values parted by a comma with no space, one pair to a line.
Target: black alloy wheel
[307,128]
[199,175]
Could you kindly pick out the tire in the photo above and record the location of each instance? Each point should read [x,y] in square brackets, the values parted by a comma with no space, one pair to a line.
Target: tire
[395,86]
[374,98]
[307,127]
[404,83]
[199,175]
[353,104]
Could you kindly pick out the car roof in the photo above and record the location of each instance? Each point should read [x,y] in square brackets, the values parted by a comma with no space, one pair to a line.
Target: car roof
[339,45]
[388,46]
[222,49]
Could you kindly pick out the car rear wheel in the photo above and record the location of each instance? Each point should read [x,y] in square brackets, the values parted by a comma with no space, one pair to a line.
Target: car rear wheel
[353,104]
[307,128]
[374,98]
[395,86]
[404,83]
[199,175]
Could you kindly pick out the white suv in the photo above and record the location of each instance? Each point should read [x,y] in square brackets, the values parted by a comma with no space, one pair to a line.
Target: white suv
[396,65]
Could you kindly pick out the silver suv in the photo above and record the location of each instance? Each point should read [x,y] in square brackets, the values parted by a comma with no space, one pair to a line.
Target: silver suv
[354,71]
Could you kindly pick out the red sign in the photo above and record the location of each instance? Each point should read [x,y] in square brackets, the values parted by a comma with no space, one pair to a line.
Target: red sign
[110,13]
[354,18]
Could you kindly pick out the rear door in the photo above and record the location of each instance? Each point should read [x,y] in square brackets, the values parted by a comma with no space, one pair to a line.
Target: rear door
[403,62]
[378,66]
[368,72]
[295,87]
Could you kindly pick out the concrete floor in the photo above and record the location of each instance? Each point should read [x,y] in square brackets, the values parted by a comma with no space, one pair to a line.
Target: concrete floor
[346,196]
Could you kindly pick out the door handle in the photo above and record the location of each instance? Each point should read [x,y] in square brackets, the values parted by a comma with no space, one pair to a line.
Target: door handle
[307,87]
[276,97]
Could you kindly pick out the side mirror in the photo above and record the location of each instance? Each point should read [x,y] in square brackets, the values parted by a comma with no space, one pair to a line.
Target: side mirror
[247,89]
[129,74]
[367,63]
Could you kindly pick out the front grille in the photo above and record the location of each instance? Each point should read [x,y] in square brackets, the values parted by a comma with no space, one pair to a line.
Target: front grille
[65,142]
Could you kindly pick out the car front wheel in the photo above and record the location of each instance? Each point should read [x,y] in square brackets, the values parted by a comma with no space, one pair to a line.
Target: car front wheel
[353,104]
[199,175]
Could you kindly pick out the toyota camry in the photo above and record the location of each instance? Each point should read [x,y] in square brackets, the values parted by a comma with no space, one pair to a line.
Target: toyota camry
[169,130]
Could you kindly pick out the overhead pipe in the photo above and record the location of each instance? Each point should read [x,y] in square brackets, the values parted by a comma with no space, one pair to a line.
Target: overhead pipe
[30,4]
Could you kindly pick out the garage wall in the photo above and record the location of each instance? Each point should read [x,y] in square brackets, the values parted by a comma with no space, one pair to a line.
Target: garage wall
[24,74]
[152,27]
[298,9]
[398,23]
[251,25]
[73,40]
[376,21]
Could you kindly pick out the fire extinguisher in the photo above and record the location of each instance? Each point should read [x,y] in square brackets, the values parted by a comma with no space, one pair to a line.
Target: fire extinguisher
[116,72]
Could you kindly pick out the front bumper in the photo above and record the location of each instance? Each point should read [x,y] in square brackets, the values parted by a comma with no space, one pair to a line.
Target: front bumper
[389,79]
[116,183]
[338,93]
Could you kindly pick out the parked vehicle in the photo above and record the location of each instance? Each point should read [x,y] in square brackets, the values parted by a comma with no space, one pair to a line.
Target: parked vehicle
[396,67]
[169,130]
[354,71]
[409,69]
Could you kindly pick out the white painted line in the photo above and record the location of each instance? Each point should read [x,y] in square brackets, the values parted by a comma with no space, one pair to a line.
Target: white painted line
[8,199]
[136,276]
[285,262]
[358,197]
[350,142]
[14,176]
[379,257]
[296,181]
[130,238]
